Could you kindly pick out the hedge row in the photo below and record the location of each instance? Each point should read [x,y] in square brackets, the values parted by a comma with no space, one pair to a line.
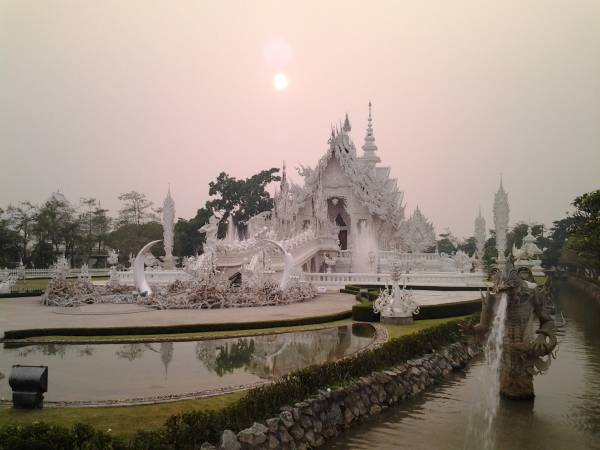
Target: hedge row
[41,436]
[364,313]
[173,329]
[23,293]
[189,430]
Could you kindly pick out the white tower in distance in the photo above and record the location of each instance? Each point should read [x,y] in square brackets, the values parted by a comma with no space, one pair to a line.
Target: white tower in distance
[168,223]
[501,211]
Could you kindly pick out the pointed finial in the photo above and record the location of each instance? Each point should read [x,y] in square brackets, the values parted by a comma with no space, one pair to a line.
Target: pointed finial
[347,127]
[369,146]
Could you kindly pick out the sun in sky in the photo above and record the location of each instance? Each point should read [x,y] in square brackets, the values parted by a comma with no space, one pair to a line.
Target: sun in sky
[280,81]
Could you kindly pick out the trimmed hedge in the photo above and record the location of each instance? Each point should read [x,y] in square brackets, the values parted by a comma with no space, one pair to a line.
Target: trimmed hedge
[364,313]
[23,293]
[40,436]
[187,431]
[172,329]
[448,310]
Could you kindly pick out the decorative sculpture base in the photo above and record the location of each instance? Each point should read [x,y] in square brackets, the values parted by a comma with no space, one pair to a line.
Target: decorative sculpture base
[391,320]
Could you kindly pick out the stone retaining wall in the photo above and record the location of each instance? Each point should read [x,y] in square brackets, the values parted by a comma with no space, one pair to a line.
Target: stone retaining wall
[591,289]
[310,423]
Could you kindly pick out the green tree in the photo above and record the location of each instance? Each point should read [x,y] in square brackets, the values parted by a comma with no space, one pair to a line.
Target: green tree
[585,231]
[469,245]
[556,242]
[22,218]
[240,199]
[446,243]
[9,238]
[56,229]
[130,238]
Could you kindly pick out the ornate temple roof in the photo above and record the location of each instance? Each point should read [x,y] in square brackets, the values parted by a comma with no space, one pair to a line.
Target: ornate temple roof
[371,184]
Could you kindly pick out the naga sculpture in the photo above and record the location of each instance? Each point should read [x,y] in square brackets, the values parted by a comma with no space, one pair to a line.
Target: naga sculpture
[524,354]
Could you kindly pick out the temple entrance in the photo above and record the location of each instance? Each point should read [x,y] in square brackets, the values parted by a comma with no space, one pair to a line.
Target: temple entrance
[336,209]
[343,233]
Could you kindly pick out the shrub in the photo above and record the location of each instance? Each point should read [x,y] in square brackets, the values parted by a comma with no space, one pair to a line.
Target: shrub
[363,312]
[41,436]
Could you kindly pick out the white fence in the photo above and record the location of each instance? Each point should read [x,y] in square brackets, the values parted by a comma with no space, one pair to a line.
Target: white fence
[441,279]
[162,277]
[47,273]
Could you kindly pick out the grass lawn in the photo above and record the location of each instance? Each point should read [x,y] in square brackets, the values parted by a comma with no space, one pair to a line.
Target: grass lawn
[123,421]
[41,283]
[193,335]
[418,325]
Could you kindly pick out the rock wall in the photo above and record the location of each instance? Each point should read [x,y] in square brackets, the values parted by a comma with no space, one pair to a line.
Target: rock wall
[310,423]
[591,289]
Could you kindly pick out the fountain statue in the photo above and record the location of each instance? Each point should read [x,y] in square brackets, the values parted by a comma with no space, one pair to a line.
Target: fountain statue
[523,354]
[396,305]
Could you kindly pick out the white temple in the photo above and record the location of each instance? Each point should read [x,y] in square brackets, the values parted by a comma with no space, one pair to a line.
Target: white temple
[347,217]
[344,224]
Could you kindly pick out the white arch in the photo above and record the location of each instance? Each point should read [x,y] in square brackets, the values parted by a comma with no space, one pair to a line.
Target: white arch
[139,275]
[288,263]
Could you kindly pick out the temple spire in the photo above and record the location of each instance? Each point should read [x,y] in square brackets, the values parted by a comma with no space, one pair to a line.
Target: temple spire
[347,127]
[369,146]
[283,184]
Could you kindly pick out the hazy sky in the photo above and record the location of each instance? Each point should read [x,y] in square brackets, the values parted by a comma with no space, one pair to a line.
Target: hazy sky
[101,97]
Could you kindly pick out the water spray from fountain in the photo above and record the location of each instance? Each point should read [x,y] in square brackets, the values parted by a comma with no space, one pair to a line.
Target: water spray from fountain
[364,250]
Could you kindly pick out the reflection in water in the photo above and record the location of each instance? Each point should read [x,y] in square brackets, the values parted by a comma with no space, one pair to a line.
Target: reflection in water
[564,415]
[137,370]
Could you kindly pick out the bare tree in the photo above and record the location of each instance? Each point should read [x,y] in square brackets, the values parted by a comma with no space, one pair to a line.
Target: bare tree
[137,209]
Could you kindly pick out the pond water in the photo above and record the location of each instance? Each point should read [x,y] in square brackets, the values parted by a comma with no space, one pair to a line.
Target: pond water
[564,415]
[141,370]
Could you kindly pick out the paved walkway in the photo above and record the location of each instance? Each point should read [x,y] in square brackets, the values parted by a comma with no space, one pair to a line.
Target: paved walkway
[27,313]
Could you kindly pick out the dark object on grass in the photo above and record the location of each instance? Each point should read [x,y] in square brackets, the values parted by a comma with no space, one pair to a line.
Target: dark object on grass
[28,384]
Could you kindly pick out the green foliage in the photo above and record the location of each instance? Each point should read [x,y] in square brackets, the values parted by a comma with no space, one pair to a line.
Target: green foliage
[9,250]
[363,312]
[40,436]
[556,241]
[446,243]
[585,231]
[448,310]
[130,238]
[238,199]
[469,246]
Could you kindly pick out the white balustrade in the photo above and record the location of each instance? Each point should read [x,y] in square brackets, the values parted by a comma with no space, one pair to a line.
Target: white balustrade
[440,279]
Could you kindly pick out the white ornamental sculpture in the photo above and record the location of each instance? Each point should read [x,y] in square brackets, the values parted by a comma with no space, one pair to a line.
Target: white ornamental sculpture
[210,230]
[528,255]
[480,238]
[113,257]
[396,305]
[417,232]
[501,211]
[168,223]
